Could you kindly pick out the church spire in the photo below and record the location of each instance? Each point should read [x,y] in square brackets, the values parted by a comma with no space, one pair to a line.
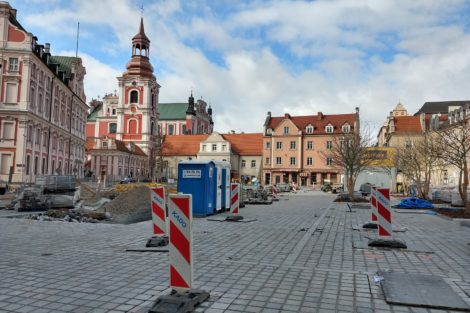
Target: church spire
[139,64]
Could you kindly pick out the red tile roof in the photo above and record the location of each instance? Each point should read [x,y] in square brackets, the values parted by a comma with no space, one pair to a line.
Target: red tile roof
[407,124]
[241,144]
[319,122]
[90,143]
[182,144]
[246,144]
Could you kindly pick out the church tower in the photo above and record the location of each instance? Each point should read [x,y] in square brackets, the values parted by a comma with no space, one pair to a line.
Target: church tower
[137,116]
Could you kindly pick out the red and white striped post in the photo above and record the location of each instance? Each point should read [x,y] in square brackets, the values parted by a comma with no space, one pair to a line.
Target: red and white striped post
[181,247]
[235,199]
[157,197]
[384,212]
[373,204]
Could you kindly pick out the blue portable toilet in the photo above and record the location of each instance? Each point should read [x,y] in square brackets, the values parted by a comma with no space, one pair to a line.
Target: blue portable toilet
[199,178]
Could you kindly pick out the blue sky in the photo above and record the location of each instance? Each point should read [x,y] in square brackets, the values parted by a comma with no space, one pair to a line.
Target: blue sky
[250,57]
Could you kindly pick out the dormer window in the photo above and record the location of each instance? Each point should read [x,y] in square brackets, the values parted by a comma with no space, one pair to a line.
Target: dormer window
[329,129]
[346,128]
[309,129]
[269,131]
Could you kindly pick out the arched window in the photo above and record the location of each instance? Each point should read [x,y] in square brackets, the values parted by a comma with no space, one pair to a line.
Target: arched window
[134,96]
[132,126]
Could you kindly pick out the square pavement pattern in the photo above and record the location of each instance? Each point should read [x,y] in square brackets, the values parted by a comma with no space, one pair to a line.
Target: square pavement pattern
[298,256]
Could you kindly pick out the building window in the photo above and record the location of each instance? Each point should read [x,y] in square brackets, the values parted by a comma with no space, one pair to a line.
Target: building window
[38,137]
[13,64]
[309,129]
[43,167]
[171,129]
[329,145]
[12,93]
[36,163]
[279,145]
[309,161]
[286,130]
[134,96]
[329,161]
[112,128]
[28,161]
[7,131]
[253,163]
[329,129]
[278,160]
[292,160]
[104,144]
[346,128]
[268,144]
[30,133]
[203,148]
[114,111]
[214,147]
[309,145]
[184,129]
[5,164]
[267,161]
[224,147]
[243,163]
[292,144]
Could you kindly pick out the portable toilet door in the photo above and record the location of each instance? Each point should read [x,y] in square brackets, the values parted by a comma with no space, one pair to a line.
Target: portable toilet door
[227,186]
[218,203]
[224,185]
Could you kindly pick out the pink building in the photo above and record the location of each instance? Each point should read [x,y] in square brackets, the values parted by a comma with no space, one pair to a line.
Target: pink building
[293,147]
[42,106]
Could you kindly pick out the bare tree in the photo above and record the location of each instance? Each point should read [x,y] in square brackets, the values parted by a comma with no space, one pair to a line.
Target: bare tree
[455,142]
[350,153]
[418,160]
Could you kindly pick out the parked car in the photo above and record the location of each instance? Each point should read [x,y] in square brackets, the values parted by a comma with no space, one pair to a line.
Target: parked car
[365,189]
[283,187]
[127,180]
[333,188]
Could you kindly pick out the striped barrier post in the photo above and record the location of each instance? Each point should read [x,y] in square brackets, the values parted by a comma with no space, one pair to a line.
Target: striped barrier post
[275,192]
[182,297]
[157,196]
[384,212]
[373,204]
[235,200]
[384,216]
[158,207]
[181,246]
[234,204]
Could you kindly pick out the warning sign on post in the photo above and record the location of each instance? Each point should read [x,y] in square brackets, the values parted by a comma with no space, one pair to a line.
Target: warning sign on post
[191,173]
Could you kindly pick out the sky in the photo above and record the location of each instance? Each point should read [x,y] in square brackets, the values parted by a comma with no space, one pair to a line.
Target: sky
[246,58]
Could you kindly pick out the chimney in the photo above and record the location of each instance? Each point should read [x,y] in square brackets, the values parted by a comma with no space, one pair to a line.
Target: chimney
[319,116]
[287,115]
[47,47]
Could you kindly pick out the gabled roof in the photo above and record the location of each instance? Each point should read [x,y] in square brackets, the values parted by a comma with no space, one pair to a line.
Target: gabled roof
[246,144]
[301,122]
[182,144]
[172,111]
[440,106]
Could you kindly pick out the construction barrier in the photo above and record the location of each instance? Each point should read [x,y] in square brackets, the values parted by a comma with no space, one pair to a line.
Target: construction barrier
[235,199]
[275,192]
[373,204]
[157,197]
[384,212]
[181,247]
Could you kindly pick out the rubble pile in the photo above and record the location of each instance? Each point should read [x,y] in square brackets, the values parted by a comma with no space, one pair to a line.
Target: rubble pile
[69,216]
[130,206]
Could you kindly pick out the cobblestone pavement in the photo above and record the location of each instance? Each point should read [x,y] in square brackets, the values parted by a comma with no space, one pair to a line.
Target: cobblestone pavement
[299,256]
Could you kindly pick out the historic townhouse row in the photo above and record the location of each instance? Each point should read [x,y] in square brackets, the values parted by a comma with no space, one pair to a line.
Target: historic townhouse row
[42,106]
[295,147]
